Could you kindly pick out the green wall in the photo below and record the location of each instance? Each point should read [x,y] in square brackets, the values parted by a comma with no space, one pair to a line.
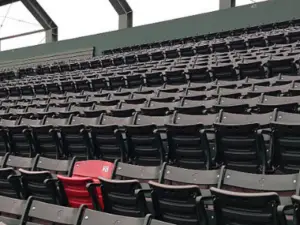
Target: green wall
[250,15]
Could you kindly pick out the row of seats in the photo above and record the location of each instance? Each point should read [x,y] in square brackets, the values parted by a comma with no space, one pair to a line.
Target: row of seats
[36,212]
[258,143]
[22,177]
[202,47]
[177,195]
[194,39]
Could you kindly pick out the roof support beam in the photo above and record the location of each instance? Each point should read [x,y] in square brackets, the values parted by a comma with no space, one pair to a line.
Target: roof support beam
[43,18]
[124,11]
[226,4]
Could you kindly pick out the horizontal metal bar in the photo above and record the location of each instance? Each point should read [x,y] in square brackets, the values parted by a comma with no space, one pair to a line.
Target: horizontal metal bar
[21,35]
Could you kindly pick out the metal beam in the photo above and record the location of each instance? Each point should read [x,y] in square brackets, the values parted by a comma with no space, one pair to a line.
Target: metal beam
[43,18]
[6,2]
[124,11]
[226,4]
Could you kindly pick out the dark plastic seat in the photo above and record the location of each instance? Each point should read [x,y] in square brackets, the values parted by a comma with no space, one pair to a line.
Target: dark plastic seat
[256,208]
[178,204]
[285,185]
[107,138]
[188,143]
[40,212]
[144,143]
[123,197]
[286,104]
[46,138]
[239,145]
[285,142]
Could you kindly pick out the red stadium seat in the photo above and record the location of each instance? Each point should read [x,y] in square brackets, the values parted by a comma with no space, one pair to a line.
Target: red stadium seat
[86,172]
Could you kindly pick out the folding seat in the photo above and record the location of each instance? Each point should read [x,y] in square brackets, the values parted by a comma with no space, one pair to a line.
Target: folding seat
[3,92]
[285,142]
[119,95]
[175,76]
[46,137]
[199,74]
[54,110]
[83,181]
[14,91]
[261,82]
[27,90]
[239,145]
[41,181]
[153,79]
[281,65]
[53,88]
[191,94]
[123,197]
[98,83]
[237,44]
[41,213]
[223,72]
[195,107]
[10,177]
[242,182]
[233,105]
[286,79]
[286,104]
[116,81]
[231,93]
[186,51]
[256,41]
[293,36]
[158,108]
[276,38]
[144,142]
[256,208]
[107,138]
[68,85]
[75,137]
[253,69]
[11,210]
[21,142]
[178,204]
[257,90]
[82,84]
[187,141]
[202,48]
[95,63]
[91,217]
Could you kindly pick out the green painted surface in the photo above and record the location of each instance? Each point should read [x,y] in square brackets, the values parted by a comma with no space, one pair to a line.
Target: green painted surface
[249,15]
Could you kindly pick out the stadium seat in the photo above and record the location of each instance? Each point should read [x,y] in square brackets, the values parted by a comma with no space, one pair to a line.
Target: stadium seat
[11,210]
[41,212]
[188,142]
[251,208]
[239,144]
[178,204]
[79,189]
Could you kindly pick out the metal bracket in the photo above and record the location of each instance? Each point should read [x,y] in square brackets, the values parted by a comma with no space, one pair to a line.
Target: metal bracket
[226,4]
[40,15]
[124,11]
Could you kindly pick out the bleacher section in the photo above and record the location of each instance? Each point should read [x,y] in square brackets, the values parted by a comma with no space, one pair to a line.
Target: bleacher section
[192,132]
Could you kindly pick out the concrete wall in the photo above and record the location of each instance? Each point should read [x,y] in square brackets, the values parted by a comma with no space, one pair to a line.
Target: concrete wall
[249,15]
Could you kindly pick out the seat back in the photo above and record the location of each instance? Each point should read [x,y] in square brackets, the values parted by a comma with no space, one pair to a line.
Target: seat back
[21,137]
[285,185]
[188,144]
[40,213]
[18,162]
[285,142]
[145,145]
[11,210]
[75,137]
[107,139]
[91,217]
[237,142]
[122,197]
[178,204]
[41,185]
[244,208]
[55,166]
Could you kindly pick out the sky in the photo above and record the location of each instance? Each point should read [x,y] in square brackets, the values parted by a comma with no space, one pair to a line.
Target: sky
[77,18]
